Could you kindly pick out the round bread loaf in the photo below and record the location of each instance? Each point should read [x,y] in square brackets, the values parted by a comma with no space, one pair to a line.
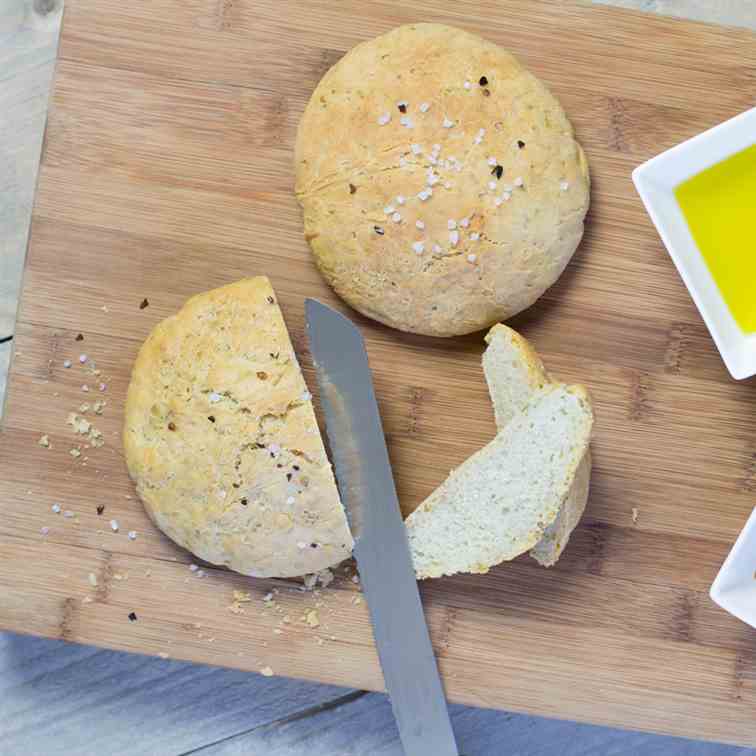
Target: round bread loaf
[222,441]
[442,186]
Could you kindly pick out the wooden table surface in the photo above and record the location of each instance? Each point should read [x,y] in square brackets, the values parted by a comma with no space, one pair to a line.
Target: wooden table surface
[63,698]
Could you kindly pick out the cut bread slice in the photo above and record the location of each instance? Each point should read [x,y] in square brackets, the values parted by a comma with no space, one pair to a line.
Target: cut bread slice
[515,373]
[499,502]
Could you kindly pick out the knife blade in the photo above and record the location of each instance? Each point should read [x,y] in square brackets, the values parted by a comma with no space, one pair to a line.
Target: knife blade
[366,485]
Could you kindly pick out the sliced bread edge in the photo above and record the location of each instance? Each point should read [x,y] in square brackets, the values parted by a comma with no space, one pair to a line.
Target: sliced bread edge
[499,502]
[514,373]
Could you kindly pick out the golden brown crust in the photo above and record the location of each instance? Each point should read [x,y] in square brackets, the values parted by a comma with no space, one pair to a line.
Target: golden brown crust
[222,442]
[350,169]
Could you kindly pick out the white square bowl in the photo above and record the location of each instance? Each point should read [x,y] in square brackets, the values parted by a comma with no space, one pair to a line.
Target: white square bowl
[656,181]
[734,588]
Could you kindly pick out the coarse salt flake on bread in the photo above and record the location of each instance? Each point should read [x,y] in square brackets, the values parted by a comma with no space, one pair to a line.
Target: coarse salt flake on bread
[441,183]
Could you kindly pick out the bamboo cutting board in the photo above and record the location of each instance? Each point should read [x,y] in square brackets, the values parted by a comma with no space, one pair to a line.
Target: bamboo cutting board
[167,170]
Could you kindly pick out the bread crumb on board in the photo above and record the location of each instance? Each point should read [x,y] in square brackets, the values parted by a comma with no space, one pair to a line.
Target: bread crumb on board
[636,512]
[324,577]
[267,671]
[83,427]
[240,597]
[93,437]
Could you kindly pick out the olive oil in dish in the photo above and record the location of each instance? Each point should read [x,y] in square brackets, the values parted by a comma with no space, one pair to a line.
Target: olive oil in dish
[719,205]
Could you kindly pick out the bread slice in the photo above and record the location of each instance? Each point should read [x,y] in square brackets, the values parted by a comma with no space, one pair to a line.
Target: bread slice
[499,502]
[222,442]
[548,550]
[514,373]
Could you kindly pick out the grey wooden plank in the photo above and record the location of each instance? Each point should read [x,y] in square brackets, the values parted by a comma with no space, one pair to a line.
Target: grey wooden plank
[725,12]
[29,31]
[58,698]
[28,46]
[28,34]
[23,110]
[366,726]
[5,355]
[61,698]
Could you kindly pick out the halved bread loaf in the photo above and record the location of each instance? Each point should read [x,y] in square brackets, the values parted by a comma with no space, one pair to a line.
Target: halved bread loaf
[222,442]
[500,502]
[514,373]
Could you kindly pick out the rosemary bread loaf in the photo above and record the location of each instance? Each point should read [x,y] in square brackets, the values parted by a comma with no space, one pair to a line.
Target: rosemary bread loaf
[441,183]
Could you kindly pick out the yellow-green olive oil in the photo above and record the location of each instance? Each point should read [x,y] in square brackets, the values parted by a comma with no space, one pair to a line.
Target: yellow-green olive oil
[719,205]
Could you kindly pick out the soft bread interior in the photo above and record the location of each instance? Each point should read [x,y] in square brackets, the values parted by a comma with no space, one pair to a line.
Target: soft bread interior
[514,372]
[500,501]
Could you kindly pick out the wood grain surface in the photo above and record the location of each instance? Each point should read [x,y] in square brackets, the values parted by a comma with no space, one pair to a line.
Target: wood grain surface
[167,169]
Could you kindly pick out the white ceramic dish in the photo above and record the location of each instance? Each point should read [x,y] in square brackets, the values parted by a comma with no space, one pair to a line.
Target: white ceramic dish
[734,588]
[655,181]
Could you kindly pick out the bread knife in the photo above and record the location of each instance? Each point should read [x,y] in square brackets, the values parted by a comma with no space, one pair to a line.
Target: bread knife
[366,485]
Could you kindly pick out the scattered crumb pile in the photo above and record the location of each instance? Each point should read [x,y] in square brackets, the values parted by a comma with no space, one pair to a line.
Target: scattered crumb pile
[277,604]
